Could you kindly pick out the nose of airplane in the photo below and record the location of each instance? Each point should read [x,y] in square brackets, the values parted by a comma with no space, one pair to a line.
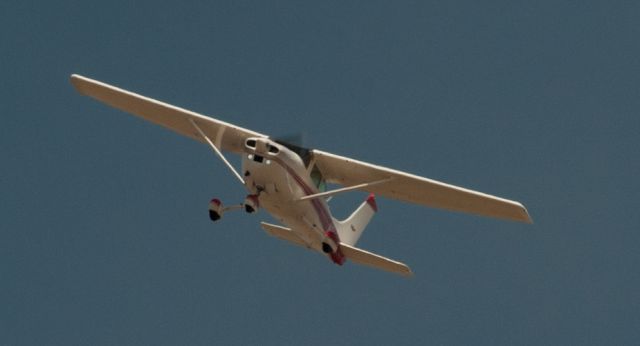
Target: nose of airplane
[261,145]
[258,145]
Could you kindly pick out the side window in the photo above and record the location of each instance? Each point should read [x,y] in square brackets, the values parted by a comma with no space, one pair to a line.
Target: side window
[320,183]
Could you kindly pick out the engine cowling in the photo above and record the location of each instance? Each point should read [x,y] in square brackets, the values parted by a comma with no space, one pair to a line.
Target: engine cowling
[251,204]
[215,209]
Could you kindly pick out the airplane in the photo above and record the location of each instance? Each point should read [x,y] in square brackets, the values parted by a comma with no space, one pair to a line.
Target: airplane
[290,182]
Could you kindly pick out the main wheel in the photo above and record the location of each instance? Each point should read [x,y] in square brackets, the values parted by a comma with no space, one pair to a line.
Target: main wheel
[214,216]
[215,209]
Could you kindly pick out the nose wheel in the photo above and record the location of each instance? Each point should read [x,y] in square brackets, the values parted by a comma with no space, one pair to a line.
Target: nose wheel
[251,204]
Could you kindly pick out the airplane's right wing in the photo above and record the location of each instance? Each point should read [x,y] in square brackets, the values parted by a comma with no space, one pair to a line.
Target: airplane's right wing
[225,136]
[407,187]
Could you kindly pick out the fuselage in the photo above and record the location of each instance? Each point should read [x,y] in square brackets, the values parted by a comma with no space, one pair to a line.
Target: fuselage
[279,178]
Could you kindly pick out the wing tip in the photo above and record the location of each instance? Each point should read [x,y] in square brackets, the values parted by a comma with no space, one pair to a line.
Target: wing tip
[529,219]
[407,273]
[76,80]
[524,215]
[75,77]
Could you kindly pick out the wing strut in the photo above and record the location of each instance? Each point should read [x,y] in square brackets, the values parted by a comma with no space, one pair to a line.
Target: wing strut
[217,151]
[344,189]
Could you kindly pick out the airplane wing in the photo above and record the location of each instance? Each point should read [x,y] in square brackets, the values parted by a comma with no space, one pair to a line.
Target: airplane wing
[376,261]
[336,169]
[283,233]
[415,189]
[352,253]
[225,136]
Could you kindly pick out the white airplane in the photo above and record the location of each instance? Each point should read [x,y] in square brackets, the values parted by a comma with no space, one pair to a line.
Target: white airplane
[289,182]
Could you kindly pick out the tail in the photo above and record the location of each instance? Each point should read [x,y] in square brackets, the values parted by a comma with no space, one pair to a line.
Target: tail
[351,229]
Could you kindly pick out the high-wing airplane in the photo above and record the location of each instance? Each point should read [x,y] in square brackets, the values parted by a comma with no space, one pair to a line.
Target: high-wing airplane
[290,182]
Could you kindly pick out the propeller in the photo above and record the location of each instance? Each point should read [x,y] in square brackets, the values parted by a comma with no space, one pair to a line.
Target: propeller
[297,139]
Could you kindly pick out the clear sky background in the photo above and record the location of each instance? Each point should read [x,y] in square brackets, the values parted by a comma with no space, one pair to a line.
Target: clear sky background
[104,234]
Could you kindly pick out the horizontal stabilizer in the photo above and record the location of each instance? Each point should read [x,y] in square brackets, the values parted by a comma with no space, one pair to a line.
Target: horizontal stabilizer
[282,233]
[376,261]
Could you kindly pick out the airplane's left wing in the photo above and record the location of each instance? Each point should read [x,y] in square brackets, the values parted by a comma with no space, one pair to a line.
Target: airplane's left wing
[225,136]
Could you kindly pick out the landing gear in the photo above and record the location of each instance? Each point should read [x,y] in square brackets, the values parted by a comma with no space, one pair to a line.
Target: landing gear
[251,204]
[216,209]
[214,216]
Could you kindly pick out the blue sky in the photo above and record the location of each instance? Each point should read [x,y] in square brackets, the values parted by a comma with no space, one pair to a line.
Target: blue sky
[104,234]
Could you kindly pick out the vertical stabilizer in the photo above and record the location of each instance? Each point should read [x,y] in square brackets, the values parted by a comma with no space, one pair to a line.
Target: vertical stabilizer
[351,229]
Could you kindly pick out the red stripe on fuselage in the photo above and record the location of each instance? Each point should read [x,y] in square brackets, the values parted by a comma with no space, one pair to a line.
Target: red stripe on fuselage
[323,214]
